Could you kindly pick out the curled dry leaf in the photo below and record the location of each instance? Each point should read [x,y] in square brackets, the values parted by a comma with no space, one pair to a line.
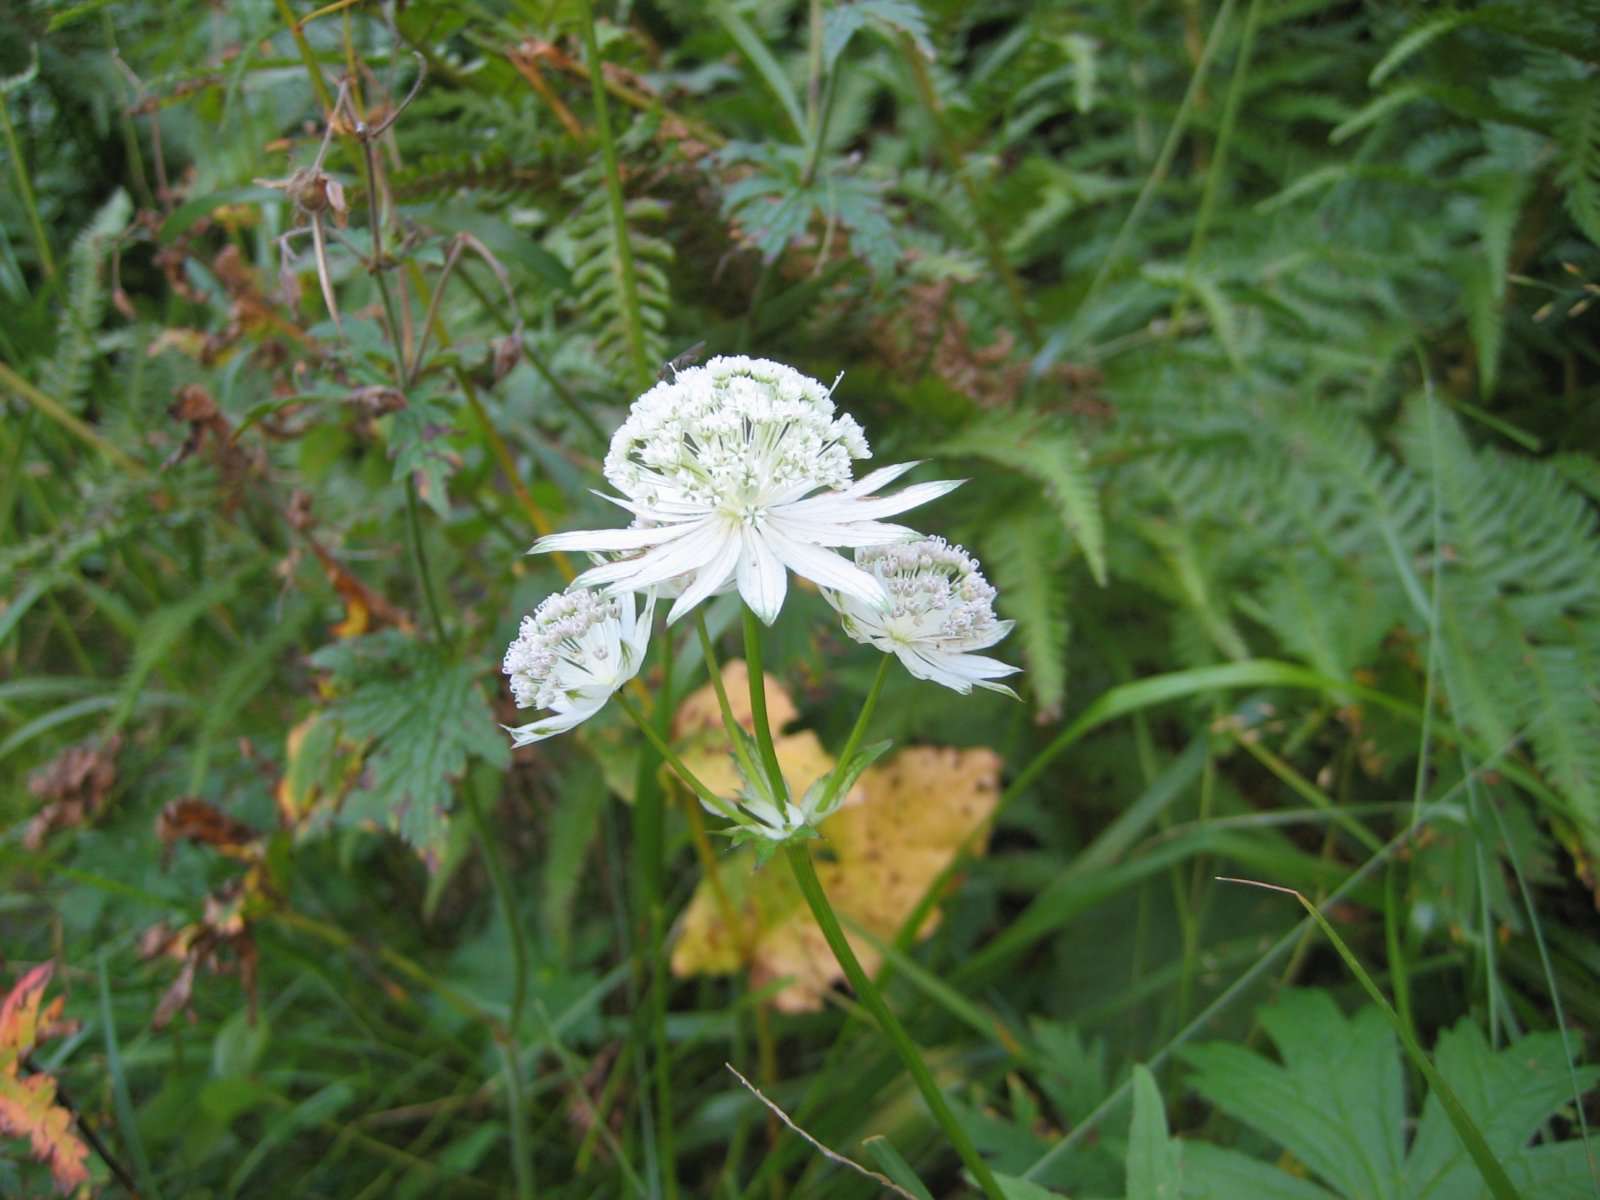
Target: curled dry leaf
[75,786]
[222,940]
[899,828]
[28,1105]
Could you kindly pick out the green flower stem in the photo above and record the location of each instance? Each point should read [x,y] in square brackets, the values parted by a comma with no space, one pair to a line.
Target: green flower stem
[854,743]
[714,669]
[521,1150]
[670,756]
[805,875]
[758,705]
[650,860]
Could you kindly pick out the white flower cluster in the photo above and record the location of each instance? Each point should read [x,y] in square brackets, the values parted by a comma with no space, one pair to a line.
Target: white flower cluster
[737,473]
[940,609]
[718,468]
[576,649]
[737,429]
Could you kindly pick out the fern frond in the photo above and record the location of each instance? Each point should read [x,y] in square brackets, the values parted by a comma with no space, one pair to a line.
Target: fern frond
[598,275]
[1053,457]
[1025,556]
[66,375]
[1578,131]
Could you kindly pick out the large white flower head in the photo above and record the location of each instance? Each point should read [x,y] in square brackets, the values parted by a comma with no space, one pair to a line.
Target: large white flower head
[940,609]
[718,467]
[577,648]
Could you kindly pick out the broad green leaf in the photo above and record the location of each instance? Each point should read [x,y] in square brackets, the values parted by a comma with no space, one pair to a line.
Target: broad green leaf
[1336,1101]
[424,717]
[1154,1168]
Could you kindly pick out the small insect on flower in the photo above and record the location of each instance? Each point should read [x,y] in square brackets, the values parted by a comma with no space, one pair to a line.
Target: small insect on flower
[940,609]
[577,648]
[718,467]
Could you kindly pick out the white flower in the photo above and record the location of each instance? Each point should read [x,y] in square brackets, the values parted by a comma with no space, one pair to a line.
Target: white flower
[940,609]
[718,467]
[574,651]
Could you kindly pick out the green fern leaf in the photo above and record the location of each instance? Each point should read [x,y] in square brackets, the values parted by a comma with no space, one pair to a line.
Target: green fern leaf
[1025,556]
[66,375]
[597,274]
[1578,131]
[1048,454]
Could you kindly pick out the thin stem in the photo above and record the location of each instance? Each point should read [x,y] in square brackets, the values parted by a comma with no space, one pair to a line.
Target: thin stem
[648,814]
[690,780]
[521,1151]
[713,668]
[25,190]
[419,558]
[58,413]
[758,706]
[854,742]
[805,875]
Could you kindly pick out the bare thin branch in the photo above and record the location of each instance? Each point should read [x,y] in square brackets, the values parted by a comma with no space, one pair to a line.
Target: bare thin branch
[882,1180]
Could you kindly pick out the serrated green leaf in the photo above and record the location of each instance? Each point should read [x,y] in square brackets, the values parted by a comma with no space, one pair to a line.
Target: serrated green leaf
[844,21]
[424,717]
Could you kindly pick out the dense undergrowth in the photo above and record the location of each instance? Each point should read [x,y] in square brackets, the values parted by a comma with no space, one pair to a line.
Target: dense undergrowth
[1262,332]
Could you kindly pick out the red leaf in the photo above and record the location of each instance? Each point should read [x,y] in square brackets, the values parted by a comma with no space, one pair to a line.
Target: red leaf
[27,1102]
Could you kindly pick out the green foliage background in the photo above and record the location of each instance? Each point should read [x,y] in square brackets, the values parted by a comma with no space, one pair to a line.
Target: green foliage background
[1262,330]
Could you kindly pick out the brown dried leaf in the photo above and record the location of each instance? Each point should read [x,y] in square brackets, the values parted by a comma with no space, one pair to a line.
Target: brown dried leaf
[27,1103]
[191,819]
[75,785]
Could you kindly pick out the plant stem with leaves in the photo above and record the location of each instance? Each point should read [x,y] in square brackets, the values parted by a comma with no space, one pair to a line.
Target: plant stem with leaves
[805,874]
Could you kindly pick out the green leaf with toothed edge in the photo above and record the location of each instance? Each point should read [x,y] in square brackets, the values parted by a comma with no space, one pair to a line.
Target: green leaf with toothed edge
[424,717]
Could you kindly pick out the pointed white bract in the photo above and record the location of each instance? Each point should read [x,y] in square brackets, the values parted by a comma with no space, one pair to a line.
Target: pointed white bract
[577,648]
[940,609]
[740,472]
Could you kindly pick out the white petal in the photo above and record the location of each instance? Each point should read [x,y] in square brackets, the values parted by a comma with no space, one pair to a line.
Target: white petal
[844,533]
[708,578]
[873,480]
[836,506]
[823,567]
[762,578]
[606,539]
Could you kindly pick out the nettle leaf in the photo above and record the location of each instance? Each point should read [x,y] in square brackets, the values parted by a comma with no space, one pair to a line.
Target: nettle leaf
[28,1105]
[776,204]
[891,16]
[417,433]
[423,717]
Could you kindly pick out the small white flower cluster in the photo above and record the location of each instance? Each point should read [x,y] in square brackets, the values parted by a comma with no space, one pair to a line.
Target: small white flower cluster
[576,649]
[737,473]
[940,609]
[727,434]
